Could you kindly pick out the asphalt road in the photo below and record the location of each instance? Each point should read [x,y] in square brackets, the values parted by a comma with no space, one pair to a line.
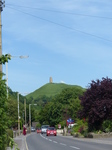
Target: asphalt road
[42,142]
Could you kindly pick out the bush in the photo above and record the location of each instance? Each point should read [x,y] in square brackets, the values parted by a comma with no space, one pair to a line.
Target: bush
[107,130]
[81,127]
[85,134]
[9,135]
[107,126]
[38,125]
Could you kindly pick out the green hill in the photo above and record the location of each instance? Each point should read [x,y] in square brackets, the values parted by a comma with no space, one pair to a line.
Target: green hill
[51,89]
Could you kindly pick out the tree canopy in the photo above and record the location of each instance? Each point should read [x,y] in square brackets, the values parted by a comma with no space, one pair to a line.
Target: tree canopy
[3,106]
[61,107]
[97,103]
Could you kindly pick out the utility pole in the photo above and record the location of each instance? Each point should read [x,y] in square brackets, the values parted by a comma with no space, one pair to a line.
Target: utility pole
[25,110]
[18,114]
[2,4]
[29,118]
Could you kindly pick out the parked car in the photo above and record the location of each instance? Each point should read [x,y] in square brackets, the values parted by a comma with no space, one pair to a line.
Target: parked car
[38,130]
[32,129]
[44,128]
[51,131]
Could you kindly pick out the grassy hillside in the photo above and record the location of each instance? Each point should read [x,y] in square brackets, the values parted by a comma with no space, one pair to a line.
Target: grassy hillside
[50,89]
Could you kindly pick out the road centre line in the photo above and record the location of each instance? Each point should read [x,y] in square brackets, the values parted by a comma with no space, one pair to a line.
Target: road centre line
[59,143]
[63,144]
[55,142]
[74,147]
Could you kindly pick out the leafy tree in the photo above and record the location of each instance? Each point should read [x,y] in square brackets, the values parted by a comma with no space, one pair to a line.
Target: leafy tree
[3,114]
[74,108]
[97,103]
[4,58]
[55,113]
[44,114]
[67,94]
[61,107]
[12,113]
[69,98]
[3,107]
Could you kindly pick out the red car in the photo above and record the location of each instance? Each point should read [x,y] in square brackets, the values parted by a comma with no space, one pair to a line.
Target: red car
[51,131]
[38,130]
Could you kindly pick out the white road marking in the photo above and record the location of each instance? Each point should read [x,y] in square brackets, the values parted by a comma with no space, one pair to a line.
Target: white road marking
[55,142]
[26,144]
[74,147]
[63,144]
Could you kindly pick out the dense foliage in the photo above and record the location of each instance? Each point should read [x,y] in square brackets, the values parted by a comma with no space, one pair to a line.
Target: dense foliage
[3,107]
[97,103]
[3,114]
[107,126]
[61,107]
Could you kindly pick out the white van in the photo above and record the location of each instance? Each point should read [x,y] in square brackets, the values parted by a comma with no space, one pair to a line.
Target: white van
[44,128]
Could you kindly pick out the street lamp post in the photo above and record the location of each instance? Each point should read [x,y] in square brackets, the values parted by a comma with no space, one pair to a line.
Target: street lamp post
[2,4]
[18,114]
[30,116]
[25,110]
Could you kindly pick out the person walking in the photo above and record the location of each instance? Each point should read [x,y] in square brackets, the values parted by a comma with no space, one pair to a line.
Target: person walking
[24,130]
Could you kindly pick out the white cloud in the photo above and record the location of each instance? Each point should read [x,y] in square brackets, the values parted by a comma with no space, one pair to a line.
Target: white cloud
[62,81]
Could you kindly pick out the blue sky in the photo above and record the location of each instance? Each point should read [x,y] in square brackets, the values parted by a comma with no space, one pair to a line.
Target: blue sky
[68,40]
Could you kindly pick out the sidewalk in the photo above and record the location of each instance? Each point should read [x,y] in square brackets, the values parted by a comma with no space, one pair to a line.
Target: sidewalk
[21,142]
[96,140]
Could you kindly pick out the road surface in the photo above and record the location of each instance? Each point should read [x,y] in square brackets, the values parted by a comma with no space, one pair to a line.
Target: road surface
[42,142]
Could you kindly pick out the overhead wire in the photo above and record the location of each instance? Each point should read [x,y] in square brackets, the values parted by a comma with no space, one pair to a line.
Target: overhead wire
[63,12]
[93,35]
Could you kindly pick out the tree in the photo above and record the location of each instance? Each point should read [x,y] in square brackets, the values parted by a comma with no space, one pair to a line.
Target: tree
[3,115]
[3,107]
[97,103]
[12,113]
[61,107]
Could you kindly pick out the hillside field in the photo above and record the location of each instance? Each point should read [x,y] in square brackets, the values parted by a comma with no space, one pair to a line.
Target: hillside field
[51,89]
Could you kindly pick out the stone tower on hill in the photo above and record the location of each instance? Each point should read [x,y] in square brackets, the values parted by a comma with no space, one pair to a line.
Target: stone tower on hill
[50,80]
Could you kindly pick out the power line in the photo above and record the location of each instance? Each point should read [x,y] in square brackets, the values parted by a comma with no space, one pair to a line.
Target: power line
[93,35]
[63,12]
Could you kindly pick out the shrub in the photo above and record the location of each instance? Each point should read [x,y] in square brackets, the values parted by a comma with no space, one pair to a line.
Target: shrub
[107,126]
[9,135]
[85,133]
[38,125]
[80,127]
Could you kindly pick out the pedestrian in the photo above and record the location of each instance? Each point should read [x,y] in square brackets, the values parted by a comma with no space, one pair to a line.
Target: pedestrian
[24,130]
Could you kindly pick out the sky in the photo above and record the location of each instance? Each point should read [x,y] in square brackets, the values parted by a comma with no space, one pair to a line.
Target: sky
[68,40]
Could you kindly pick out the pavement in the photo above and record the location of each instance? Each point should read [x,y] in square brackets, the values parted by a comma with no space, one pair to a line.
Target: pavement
[21,142]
